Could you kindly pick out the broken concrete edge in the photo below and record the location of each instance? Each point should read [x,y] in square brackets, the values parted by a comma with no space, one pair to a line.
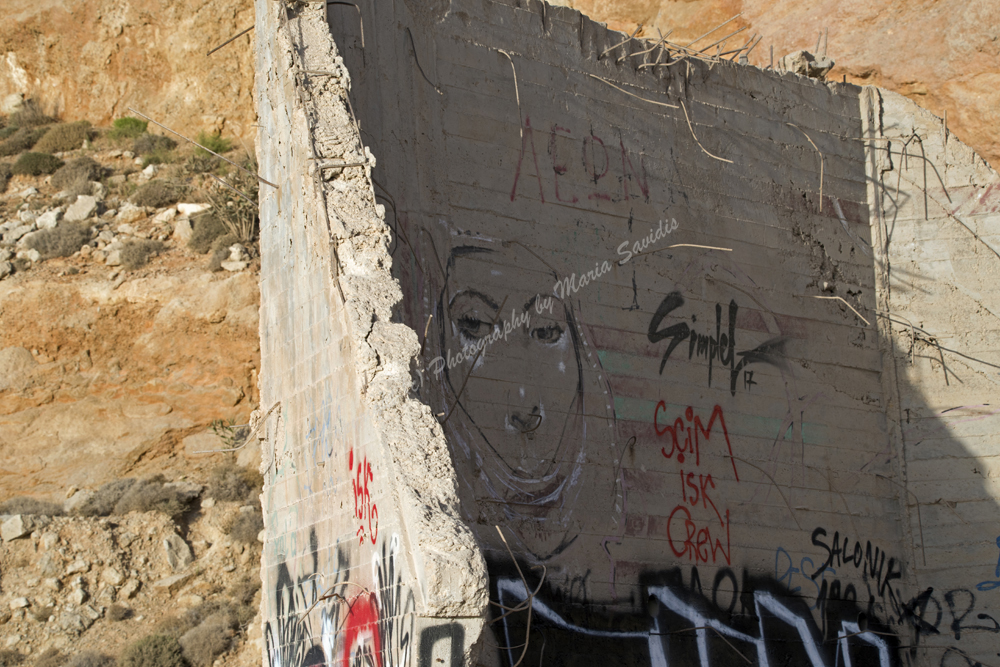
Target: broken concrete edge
[445,562]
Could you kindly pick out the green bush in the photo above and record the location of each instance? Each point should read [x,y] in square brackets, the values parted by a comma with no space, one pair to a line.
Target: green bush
[61,241]
[136,253]
[64,137]
[91,659]
[213,142]
[230,482]
[26,505]
[156,194]
[76,174]
[7,131]
[127,128]
[21,140]
[210,639]
[149,143]
[30,115]
[154,651]
[36,164]
[207,228]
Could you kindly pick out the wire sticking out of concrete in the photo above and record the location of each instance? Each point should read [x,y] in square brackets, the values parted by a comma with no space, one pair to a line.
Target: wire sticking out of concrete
[360,18]
[723,39]
[417,60]
[191,141]
[683,245]
[603,80]
[822,161]
[621,43]
[690,127]
[528,603]
[843,301]
[230,40]
[340,165]
[246,441]
[724,23]
[659,43]
[517,94]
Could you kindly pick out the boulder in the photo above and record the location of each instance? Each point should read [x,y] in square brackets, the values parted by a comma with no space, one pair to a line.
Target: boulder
[49,219]
[17,526]
[183,230]
[178,552]
[84,207]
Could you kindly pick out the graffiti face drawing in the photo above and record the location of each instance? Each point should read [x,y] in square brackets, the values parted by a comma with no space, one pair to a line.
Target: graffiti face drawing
[517,378]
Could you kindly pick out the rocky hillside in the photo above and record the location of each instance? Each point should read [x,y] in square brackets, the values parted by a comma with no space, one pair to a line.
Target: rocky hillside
[944,56]
[128,347]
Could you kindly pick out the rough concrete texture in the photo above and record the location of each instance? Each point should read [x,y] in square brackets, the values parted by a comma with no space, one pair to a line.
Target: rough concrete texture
[644,306]
[364,535]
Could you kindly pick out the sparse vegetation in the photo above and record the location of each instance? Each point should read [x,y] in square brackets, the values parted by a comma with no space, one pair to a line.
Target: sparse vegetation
[91,659]
[20,140]
[243,594]
[239,215]
[10,658]
[151,495]
[157,193]
[214,142]
[245,526]
[230,482]
[76,174]
[26,505]
[149,143]
[137,253]
[61,241]
[119,612]
[30,114]
[154,651]
[64,137]
[207,228]
[36,164]
[211,638]
[5,174]
[127,128]
[50,657]
[103,502]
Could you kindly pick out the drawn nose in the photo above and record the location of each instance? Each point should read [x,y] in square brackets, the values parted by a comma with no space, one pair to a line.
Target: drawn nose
[525,422]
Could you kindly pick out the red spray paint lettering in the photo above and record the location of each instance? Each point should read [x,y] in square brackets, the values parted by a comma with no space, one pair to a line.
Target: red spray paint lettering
[361,633]
[364,509]
[692,433]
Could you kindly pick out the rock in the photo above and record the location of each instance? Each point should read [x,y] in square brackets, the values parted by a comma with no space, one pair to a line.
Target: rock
[31,255]
[78,566]
[4,617]
[63,194]
[50,564]
[190,600]
[73,622]
[114,257]
[208,503]
[150,171]
[178,552]
[117,179]
[128,213]
[78,596]
[5,254]
[183,230]
[115,153]
[27,216]
[17,526]
[173,583]
[84,207]
[90,612]
[112,576]
[166,215]
[6,269]
[230,265]
[107,236]
[190,209]
[48,540]
[85,251]
[77,499]
[806,64]
[125,228]
[49,219]
[128,155]
[188,491]
[19,603]
[11,103]
[29,192]
[16,233]
[98,190]
[52,584]
[130,588]
[109,214]
[13,641]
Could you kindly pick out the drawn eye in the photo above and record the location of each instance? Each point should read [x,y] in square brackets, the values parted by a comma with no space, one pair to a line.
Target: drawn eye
[473,327]
[549,334]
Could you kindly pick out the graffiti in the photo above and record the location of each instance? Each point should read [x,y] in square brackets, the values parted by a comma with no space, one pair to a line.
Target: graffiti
[364,509]
[681,626]
[990,585]
[721,346]
[596,166]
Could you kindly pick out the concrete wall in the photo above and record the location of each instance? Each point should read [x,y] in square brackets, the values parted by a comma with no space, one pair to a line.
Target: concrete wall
[638,309]
[365,553]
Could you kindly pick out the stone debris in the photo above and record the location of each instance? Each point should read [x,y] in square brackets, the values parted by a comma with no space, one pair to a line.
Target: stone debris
[178,552]
[238,258]
[49,219]
[806,64]
[84,207]
[16,527]
[190,209]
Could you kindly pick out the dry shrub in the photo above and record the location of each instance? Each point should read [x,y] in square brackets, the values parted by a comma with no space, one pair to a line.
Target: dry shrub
[91,659]
[244,527]
[103,502]
[5,174]
[21,140]
[64,137]
[154,651]
[10,658]
[210,639]
[50,657]
[157,194]
[241,217]
[61,241]
[135,254]
[244,594]
[207,228]
[36,164]
[119,612]
[150,495]
[230,482]
[76,173]
[30,114]
[26,505]
[151,143]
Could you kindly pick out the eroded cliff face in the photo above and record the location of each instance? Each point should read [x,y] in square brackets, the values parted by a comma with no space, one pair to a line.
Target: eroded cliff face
[944,56]
[91,59]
